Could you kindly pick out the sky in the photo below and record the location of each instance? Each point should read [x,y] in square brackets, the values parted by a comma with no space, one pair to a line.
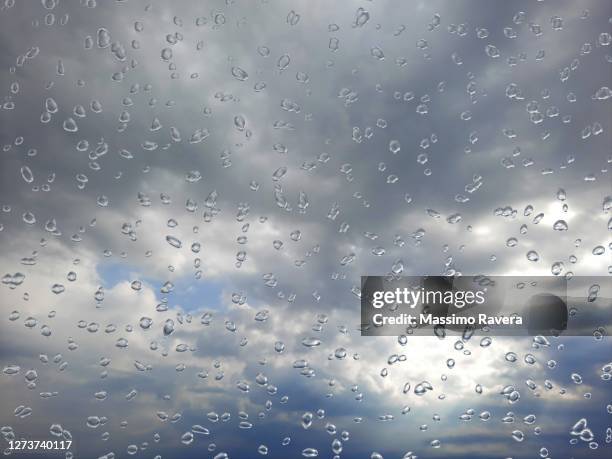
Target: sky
[191,190]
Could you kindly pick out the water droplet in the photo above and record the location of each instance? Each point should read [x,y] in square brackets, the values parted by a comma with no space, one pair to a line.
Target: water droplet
[239,74]
[422,388]
[311,342]
[26,174]
[560,225]
[104,38]
[532,255]
[394,146]
[70,125]
[174,242]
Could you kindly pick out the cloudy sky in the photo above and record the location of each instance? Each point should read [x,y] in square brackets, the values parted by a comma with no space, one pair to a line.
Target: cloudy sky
[191,190]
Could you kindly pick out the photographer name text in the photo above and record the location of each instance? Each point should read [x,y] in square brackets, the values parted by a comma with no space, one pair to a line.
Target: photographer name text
[431,319]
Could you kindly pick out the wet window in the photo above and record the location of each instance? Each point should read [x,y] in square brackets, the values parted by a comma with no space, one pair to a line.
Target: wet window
[191,192]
